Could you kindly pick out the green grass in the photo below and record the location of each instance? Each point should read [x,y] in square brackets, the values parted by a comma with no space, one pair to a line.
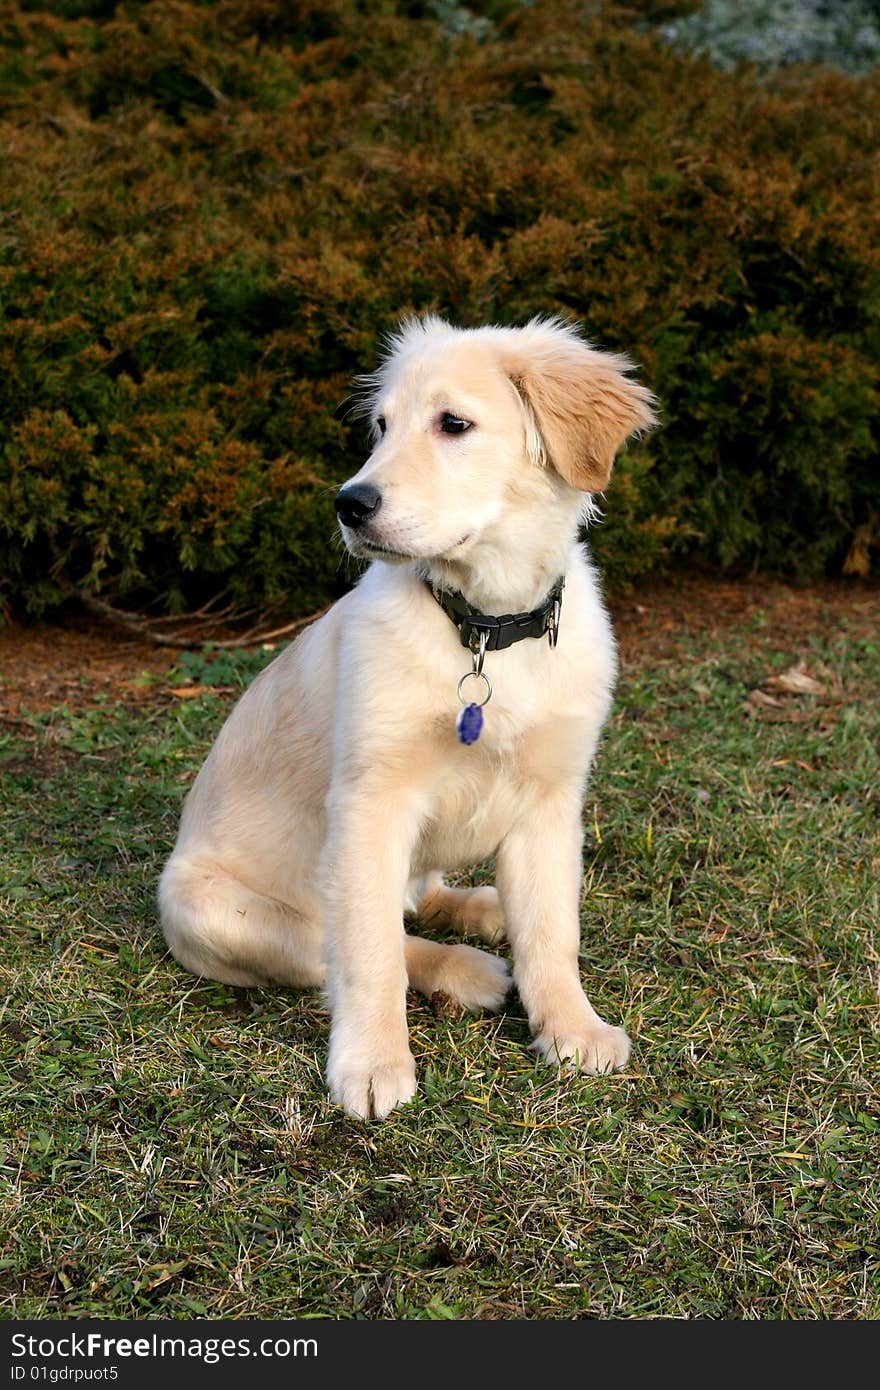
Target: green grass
[167,1146]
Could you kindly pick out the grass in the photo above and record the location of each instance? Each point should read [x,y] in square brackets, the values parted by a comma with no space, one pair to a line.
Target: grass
[167,1147]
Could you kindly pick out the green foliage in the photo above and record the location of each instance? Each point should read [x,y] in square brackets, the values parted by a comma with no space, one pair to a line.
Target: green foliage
[219,209]
[225,669]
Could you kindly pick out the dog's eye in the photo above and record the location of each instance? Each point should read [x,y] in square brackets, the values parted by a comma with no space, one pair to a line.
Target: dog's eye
[453,424]
[381,424]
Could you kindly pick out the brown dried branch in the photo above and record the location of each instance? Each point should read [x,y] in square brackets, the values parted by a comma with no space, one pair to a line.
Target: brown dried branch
[145,627]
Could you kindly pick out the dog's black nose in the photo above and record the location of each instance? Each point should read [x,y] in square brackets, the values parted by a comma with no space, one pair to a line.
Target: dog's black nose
[356,503]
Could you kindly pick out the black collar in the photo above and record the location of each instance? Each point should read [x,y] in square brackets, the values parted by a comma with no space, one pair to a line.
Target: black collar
[503,631]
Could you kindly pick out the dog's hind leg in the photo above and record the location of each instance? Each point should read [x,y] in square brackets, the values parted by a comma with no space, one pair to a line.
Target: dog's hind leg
[474,979]
[472,911]
[215,925]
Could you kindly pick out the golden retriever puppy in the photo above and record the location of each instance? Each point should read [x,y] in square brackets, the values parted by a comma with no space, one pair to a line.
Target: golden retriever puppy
[444,711]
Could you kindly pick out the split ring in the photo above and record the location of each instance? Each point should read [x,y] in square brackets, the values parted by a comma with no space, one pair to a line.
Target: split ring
[475,675]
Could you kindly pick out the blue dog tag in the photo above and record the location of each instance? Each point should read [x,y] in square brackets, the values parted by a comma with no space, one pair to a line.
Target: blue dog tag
[469,723]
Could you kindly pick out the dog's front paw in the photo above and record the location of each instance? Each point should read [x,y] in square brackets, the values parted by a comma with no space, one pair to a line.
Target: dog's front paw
[596,1047]
[371,1090]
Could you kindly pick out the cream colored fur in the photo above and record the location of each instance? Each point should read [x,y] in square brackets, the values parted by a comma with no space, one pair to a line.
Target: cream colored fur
[337,790]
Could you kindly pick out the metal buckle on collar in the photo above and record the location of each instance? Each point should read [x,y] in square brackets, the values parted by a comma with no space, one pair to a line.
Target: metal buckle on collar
[553,621]
[477,637]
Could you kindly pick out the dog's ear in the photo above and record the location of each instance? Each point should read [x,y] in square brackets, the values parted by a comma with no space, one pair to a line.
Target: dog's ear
[583,402]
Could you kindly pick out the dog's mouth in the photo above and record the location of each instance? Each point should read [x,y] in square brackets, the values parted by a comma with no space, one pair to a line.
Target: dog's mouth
[364,549]
[371,550]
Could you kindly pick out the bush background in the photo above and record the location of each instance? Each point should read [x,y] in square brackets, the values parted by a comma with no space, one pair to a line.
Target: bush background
[214,211]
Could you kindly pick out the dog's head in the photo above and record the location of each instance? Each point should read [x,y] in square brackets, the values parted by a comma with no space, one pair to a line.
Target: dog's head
[485,437]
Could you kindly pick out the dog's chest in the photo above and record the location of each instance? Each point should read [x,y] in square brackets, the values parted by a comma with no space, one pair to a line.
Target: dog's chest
[540,729]
[472,809]
[485,788]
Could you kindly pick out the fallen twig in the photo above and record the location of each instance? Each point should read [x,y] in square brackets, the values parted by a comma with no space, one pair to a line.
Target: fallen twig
[19,723]
[144,627]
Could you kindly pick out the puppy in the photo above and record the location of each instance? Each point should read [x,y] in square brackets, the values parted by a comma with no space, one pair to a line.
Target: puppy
[445,711]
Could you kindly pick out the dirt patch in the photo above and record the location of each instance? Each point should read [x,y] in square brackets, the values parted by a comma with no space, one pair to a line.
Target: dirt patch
[655,623]
[45,664]
[40,760]
[73,663]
